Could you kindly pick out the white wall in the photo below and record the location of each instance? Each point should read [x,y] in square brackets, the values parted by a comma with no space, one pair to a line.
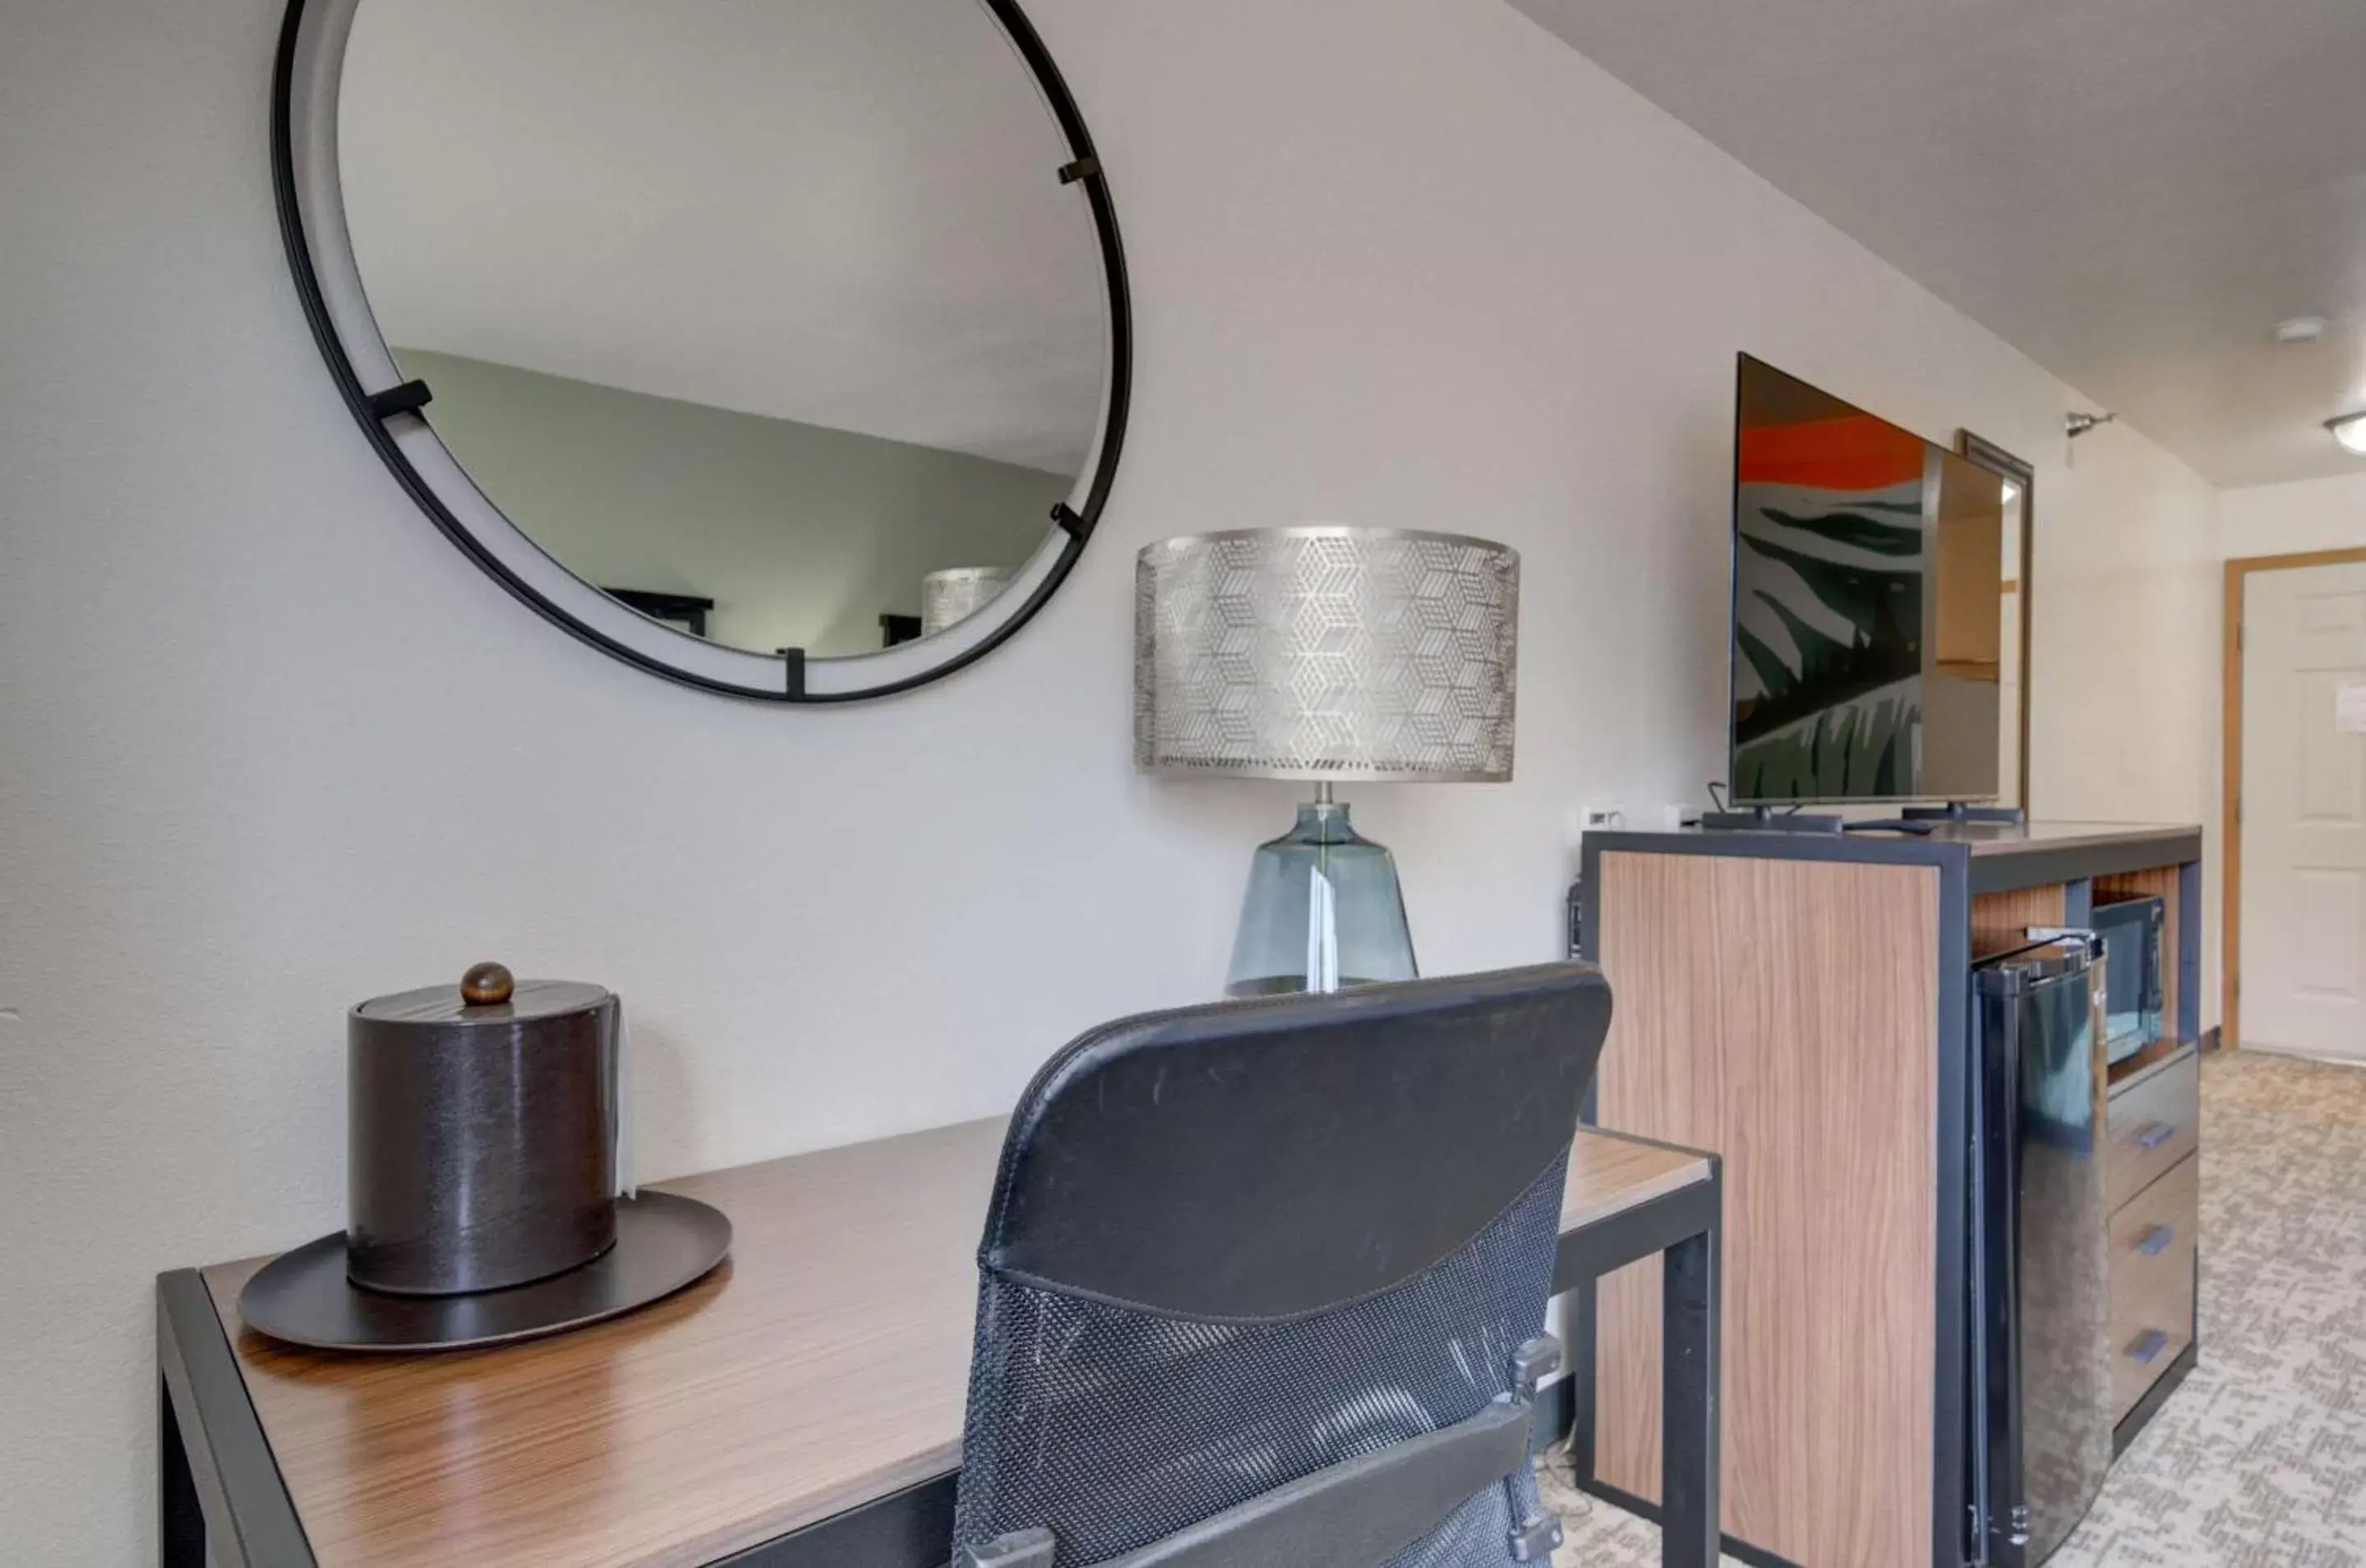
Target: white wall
[268,744]
[2308,515]
[2124,669]
[802,535]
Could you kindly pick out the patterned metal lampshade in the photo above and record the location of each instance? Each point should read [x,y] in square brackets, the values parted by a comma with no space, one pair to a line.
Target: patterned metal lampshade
[1326,652]
[953,595]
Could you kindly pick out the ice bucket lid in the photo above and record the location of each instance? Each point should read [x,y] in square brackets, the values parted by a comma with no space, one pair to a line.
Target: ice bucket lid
[486,995]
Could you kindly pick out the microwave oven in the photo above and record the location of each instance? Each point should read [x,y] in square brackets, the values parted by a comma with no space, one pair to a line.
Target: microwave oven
[2130,930]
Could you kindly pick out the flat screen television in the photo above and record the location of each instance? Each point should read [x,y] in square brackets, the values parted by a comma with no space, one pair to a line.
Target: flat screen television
[1869,571]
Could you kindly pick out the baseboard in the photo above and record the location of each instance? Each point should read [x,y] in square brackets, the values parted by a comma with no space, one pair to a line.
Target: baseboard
[2140,1417]
[1733,1546]
[1556,1418]
[1556,1412]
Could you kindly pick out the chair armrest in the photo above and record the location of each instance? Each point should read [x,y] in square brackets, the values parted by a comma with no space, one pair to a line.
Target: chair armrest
[1360,1512]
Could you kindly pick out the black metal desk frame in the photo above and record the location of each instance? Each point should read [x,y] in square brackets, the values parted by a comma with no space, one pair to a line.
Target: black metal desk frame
[1684,1226]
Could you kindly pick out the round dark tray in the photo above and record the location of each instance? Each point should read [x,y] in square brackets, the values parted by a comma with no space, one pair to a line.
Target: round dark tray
[663,1243]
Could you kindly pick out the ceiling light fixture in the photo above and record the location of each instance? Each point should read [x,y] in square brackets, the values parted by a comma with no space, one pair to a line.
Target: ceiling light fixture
[2302,329]
[2350,431]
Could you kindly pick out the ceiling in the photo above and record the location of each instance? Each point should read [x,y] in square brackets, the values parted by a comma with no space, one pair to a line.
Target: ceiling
[2132,192]
[843,215]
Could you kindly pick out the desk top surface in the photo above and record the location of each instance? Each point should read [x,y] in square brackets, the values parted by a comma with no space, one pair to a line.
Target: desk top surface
[824,1365]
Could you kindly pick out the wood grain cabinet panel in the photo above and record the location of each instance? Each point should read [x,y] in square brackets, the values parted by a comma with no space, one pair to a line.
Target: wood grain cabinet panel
[2153,1241]
[2153,1123]
[1784,1013]
[2001,922]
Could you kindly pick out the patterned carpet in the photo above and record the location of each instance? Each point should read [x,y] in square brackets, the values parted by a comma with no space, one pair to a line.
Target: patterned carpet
[2260,1461]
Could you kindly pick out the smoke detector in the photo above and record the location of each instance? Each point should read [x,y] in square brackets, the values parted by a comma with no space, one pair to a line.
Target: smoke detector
[2302,329]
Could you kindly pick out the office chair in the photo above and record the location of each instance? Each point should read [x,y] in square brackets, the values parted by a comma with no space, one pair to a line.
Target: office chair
[1263,1284]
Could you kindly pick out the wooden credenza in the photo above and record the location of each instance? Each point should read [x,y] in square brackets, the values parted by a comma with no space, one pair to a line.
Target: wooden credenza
[2153,1171]
[1801,1004]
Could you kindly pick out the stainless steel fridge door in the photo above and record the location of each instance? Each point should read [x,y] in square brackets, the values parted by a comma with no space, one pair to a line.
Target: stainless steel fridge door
[2046,1275]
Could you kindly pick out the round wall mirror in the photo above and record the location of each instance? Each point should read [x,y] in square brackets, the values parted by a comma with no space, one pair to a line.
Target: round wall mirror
[779,347]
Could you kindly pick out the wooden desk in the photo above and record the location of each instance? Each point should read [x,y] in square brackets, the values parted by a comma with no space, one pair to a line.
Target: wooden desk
[801,1405]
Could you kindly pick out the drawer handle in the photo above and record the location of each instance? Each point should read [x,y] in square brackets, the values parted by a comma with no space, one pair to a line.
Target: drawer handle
[2148,1345]
[2152,1134]
[2155,1242]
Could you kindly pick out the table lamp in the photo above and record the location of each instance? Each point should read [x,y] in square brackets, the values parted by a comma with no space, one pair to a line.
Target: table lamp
[952,596]
[1333,654]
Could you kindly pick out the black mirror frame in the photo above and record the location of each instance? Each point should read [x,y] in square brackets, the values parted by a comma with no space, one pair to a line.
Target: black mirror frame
[787,673]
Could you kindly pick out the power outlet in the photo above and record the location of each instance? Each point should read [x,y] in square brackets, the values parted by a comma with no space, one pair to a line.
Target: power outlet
[1599,819]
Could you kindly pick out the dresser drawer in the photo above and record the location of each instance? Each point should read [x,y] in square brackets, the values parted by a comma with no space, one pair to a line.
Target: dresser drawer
[2152,1249]
[2152,1125]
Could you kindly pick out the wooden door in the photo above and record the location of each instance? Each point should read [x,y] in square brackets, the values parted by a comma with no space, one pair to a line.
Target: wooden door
[2304,810]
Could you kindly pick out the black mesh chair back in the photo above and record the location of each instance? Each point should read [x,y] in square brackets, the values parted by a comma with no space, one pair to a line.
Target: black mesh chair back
[1264,1283]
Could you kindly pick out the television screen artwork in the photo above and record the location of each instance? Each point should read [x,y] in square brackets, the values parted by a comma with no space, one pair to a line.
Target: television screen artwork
[1868,588]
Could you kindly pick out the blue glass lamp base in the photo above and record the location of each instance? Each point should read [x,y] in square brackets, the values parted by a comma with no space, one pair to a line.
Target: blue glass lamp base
[1323,911]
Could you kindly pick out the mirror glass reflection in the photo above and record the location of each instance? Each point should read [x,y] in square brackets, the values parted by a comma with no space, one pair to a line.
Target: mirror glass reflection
[2013,646]
[1971,680]
[753,313]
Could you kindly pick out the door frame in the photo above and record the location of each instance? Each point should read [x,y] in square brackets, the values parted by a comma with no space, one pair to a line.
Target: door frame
[2230,865]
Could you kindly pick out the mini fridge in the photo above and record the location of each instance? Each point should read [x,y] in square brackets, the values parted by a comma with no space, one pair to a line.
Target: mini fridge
[2039,1386]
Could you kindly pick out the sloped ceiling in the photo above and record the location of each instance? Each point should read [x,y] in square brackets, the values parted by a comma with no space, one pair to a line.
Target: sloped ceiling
[2132,192]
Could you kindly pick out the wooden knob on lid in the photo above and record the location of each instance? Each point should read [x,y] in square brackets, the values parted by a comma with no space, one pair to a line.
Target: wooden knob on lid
[487,985]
